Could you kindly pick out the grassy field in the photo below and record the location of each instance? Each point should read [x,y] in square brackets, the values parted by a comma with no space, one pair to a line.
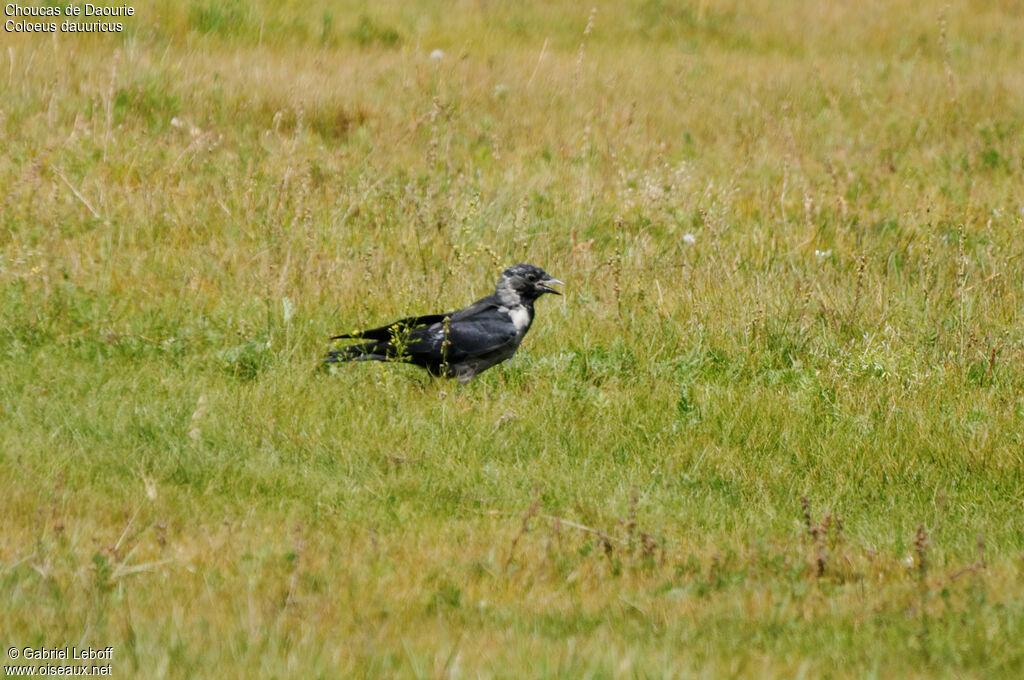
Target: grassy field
[773,429]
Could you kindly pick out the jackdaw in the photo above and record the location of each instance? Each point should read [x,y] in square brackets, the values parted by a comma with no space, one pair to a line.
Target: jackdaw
[458,344]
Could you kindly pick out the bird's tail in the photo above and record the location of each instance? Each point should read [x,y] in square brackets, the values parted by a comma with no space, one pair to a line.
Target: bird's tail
[367,351]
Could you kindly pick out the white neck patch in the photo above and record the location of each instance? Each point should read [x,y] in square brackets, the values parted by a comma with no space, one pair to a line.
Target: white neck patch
[520,318]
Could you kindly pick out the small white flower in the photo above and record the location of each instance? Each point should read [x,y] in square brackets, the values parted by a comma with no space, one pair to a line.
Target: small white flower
[689,239]
[437,55]
[822,254]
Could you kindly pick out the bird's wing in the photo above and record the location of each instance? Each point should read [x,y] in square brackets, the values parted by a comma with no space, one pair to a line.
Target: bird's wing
[476,331]
[481,306]
[387,332]
[414,322]
[484,333]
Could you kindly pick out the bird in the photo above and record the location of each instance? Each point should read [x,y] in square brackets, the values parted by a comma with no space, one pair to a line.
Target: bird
[460,344]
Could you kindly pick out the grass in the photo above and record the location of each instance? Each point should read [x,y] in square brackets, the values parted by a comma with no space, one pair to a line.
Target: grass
[772,429]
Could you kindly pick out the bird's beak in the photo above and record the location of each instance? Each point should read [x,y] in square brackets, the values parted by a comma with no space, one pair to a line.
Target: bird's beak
[543,285]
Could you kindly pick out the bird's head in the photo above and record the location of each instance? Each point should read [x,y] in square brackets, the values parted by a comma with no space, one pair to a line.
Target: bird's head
[526,283]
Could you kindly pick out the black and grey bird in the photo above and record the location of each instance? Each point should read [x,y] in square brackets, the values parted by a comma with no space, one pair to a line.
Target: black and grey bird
[463,343]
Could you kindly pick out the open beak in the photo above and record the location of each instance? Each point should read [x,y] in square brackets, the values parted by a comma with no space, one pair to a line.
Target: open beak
[543,285]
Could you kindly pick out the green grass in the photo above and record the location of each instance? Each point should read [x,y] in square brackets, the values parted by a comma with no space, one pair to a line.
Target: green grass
[773,429]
